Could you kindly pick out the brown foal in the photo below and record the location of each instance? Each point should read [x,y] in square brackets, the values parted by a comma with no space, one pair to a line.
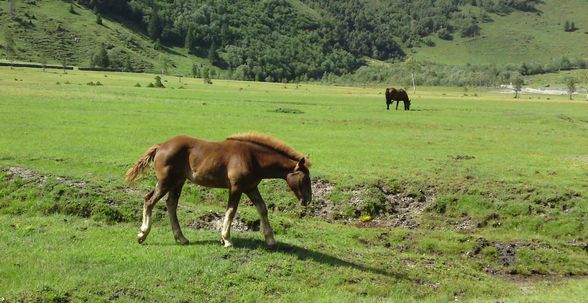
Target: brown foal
[238,163]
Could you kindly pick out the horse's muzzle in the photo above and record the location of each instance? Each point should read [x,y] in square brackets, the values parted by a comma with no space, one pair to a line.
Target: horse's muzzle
[304,202]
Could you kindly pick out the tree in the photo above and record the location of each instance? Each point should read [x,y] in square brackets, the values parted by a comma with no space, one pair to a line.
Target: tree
[98,19]
[164,63]
[157,44]
[205,74]
[212,53]
[567,26]
[127,65]
[414,67]
[571,84]
[71,9]
[11,8]
[517,85]
[101,59]
[584,77]
[189,40]
[154,27]
[10,46]
[195,70]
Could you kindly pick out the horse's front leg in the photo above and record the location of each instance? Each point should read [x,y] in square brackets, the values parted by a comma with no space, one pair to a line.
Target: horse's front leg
[234,197]
[257,200]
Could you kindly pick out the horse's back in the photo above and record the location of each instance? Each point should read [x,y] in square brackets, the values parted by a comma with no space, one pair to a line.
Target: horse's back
[183,156]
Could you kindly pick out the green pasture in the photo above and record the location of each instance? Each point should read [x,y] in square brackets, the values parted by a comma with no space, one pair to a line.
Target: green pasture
[512,171]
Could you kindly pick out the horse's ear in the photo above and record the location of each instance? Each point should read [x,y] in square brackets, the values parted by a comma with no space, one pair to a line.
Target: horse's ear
[300,163]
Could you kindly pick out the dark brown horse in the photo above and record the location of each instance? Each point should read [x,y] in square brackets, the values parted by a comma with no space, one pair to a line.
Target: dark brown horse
[397,95]
[238,163]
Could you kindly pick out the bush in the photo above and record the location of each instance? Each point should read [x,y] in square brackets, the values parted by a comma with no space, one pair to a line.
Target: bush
[158,83]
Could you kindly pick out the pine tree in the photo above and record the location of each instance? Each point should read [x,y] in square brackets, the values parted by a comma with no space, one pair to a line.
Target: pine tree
[154,26]
[212,53]
[567,26]
[189,41]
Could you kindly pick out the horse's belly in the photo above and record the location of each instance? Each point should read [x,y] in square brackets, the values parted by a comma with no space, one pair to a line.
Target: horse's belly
[209,180]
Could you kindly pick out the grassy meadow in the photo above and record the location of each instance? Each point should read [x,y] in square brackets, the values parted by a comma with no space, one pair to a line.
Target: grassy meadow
[499,184]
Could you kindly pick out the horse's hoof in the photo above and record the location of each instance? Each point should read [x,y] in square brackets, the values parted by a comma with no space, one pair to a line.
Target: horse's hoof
[141,238]
[183,241]
[227,244]
[271,243]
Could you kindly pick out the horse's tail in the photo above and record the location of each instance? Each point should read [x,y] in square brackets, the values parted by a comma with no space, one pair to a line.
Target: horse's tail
[143,163]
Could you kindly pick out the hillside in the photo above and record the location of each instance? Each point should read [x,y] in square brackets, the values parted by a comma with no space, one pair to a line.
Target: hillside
[286,40]
[531,37]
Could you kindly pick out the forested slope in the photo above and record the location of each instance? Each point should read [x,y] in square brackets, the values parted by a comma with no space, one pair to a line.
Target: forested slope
[271,40]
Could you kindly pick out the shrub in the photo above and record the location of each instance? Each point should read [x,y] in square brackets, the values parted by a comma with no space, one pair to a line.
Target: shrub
[158,82]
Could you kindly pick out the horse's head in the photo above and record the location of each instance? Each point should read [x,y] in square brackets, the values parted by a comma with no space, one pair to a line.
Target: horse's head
[299,182]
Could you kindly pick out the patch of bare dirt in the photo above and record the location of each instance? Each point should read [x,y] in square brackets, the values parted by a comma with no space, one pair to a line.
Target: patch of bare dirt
[30,176]
[321,205]
[400,209]
[506,252]
[406,209]
[26,175]
[40,180]
[214,221]
[397,209]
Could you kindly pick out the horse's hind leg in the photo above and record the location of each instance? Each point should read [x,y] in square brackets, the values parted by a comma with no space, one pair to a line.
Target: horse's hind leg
[172,206]
[150,200]
[397,101]
[234,197]
[257,200]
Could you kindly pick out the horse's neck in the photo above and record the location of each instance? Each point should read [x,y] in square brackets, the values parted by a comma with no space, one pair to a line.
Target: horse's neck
[275,165]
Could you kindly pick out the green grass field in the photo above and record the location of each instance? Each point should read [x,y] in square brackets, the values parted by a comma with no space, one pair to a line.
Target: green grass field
[497,187]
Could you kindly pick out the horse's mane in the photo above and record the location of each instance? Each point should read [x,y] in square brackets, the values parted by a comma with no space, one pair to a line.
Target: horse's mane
[271,143]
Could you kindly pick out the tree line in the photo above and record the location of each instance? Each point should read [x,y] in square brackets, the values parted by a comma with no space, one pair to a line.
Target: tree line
[280,40]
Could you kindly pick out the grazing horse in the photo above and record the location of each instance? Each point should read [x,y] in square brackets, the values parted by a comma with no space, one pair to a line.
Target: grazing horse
[238,163]
[397,95]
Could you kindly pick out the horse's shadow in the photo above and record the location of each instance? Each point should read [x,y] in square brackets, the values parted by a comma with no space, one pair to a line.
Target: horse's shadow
[304,254]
